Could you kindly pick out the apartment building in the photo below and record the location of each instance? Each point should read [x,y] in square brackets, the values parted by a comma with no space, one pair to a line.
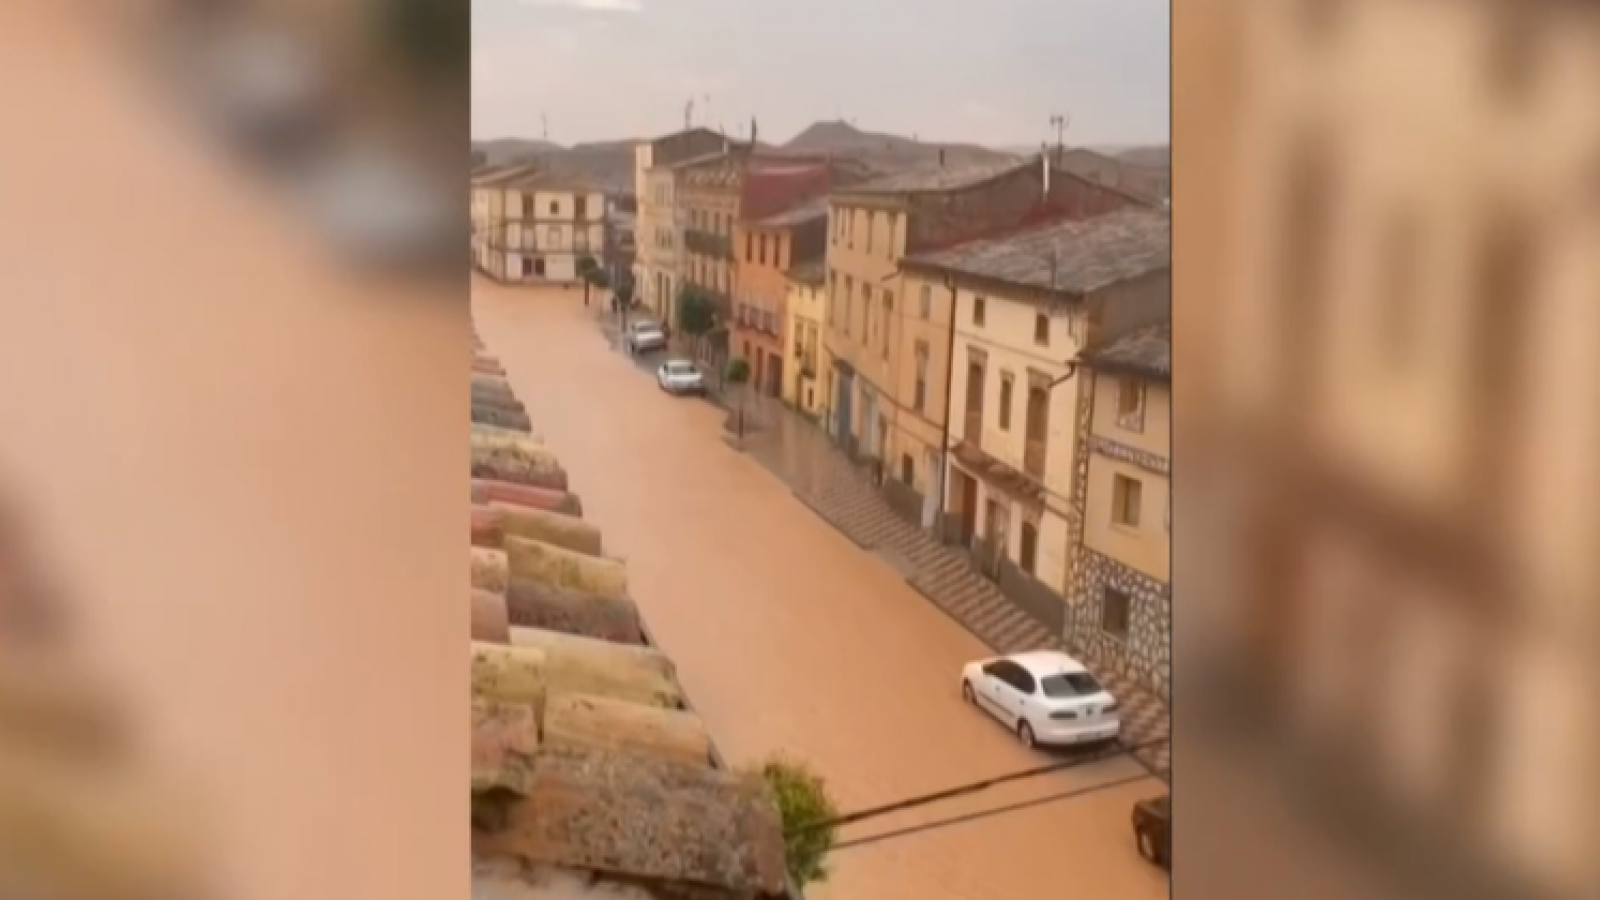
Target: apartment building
[768,251]
[657,233]
[804,310]
[1121,595]
[1025,303]
[488,211]
[871,339]
[549,224]
[1400,435]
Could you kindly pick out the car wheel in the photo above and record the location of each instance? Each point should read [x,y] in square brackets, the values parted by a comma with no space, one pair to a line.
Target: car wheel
[966,692]
[1025,734]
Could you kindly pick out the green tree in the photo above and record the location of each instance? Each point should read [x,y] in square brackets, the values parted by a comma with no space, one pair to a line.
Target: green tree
[738,371]
[808,812]
[588,270]
[696,315]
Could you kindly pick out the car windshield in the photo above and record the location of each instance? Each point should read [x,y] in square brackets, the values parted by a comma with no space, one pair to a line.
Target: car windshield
[1069,684]
[645,327]
[680,368]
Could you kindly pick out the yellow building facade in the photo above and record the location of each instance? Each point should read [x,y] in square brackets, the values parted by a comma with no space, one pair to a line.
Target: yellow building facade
[804,309]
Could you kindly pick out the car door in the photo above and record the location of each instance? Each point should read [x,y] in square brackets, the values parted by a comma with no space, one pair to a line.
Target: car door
[992,692]
[1005,690]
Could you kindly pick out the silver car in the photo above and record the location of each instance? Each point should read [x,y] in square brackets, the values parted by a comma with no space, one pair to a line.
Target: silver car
[679,376]
[644,336]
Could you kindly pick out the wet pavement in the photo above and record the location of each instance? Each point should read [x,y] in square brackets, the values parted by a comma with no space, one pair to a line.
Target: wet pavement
[789,638]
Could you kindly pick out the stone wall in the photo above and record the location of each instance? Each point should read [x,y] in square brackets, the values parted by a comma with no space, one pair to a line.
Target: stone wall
[1145,657]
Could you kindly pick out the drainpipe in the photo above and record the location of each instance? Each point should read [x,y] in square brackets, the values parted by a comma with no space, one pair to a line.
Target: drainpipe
[949,380]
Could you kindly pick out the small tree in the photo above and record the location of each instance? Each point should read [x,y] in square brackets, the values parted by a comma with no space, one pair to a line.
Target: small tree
[807,812]
[738,371]
[587,268]
[696,316]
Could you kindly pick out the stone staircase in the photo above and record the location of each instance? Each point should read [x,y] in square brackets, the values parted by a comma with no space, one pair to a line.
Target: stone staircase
[844,496]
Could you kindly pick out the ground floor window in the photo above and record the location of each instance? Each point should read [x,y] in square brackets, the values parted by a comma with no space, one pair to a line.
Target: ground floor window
[538,268]
[908,469]
[1116,610]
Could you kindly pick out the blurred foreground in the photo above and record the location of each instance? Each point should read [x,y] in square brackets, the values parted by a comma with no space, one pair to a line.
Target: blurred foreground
[1388,334]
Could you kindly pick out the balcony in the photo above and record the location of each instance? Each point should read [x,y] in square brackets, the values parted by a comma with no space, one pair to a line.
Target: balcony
[705,243]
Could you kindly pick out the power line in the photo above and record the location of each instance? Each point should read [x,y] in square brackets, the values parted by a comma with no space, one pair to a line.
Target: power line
[972,788]
[988,813]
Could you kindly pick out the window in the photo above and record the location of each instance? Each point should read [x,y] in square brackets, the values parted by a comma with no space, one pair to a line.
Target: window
[1028,553]
[920,398]
[527,266]
[872,221]
[762,254]
[749,247]
[833,295]
[1115,611]
[866,310]
[1069,684]
[1125,501]
[849,302]
[578,207]
[1005,401]
[908,470]
[538,268]
[925,300]
[555,207]
[979,310]
[888,311]
[1041,330]
[554,237]
[1130,404]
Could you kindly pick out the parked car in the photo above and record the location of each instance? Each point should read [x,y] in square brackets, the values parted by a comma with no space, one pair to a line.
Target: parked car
[1046,697]
[645,335]
[679,376]
[1152,830]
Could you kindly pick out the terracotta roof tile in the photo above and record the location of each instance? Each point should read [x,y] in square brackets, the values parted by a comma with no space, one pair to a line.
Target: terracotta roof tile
[1075,256]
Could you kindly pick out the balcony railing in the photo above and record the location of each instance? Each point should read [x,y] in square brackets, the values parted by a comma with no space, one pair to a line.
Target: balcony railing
[707,244]
[1033,454]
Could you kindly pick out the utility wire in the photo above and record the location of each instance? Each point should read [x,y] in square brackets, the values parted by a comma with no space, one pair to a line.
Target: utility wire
[987,813]
[970,788]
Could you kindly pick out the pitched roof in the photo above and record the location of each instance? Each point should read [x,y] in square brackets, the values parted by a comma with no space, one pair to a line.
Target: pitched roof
[496,176]
[935,179]
[550,181]
[809,211]
[1075,256]
[1143,351]
[812,271]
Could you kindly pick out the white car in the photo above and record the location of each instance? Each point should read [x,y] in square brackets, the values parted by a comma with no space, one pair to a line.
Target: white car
[644,335]
[1046,697]
[679,376]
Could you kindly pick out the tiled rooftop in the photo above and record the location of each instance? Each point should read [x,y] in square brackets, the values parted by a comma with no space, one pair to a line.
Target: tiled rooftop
[591,776]
[800,215]
[1075,256]
[934,179]
[814,271]
[1144,351]
[497,176]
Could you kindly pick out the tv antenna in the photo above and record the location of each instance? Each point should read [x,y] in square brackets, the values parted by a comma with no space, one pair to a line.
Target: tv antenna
[1059,123]
[544,127]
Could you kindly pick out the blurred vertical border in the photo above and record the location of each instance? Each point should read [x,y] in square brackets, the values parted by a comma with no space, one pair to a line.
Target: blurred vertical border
[1387,213]
[234,327]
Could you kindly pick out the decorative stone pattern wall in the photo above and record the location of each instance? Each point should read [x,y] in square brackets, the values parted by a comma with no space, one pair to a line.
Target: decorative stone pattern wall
[1146,655]
[1144,459]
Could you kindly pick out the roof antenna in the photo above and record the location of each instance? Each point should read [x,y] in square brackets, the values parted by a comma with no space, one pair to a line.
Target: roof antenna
[688,114]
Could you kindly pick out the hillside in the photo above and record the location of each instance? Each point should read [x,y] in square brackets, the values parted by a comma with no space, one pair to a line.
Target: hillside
[608,164]
[504,150]
[1151,157]
[886,151]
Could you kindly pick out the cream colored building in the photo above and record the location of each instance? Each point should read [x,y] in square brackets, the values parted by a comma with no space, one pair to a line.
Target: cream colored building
[805,308]
[1121,592]
[488,210]
[1025,304]
[658,230]
[1399,444]
[549,223]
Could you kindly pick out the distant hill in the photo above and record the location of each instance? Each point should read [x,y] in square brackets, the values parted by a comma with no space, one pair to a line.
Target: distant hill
[504,150]
[886,151]
[1152,157]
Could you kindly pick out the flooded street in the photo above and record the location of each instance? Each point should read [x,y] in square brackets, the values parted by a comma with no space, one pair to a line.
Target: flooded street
[789,638]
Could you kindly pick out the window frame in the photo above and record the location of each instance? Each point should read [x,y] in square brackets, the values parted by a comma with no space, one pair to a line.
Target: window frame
[1106,593]
[1127,494]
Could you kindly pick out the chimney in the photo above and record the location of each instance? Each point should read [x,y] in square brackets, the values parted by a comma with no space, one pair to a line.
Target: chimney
[1044,159]
[941,157]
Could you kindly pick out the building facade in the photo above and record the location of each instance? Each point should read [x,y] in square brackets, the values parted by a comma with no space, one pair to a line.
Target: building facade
[488,212]
[657,233]
[1121,594]
[1024,305]
[767,251]
[804,310]
[549,224]
[873,335]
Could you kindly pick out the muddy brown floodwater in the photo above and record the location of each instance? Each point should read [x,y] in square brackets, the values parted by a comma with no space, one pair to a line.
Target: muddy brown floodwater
[789,638]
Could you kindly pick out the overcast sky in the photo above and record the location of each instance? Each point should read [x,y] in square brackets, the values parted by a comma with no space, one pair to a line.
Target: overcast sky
[990,72]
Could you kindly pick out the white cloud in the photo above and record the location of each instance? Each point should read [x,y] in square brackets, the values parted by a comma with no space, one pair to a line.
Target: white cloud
[602,6]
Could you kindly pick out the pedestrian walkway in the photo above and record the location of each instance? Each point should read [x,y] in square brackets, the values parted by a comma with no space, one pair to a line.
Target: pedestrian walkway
[798,453]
